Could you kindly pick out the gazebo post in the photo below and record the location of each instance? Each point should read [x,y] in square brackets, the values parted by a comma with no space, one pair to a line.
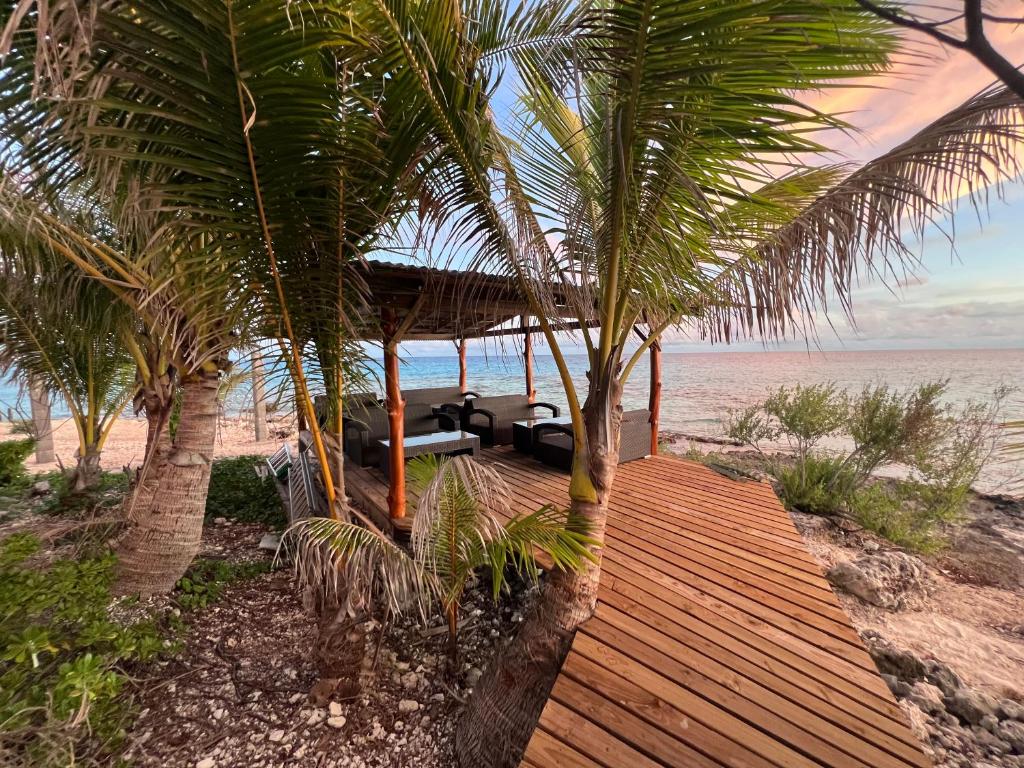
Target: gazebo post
[531,392]
[396,417]
[462,365]
[654,402]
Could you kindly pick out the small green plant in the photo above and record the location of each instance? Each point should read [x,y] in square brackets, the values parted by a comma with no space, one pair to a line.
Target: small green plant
[12,462]
[23,427]
[61,658]
[205,580]
[238,493]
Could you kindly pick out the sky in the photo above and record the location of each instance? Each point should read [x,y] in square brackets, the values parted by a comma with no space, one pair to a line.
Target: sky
[966,295]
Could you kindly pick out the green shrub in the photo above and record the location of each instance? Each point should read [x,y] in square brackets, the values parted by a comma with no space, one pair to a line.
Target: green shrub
[941,450]
[205,580]
[238,493]
[12,462]
[818,485]
[108,492]
[61,658]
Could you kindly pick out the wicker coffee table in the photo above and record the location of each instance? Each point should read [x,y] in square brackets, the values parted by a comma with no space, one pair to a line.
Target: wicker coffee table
[522,431]
[446,443]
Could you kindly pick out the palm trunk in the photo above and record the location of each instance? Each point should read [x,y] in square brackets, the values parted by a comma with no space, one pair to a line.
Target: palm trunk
[506,704]
[87,470]
[155,552]
[158,446]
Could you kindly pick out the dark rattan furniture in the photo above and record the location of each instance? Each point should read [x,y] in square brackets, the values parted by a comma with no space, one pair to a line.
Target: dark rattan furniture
[522,431]
[446,443]
[437,395]
[446,403]
[553,443]
[366,427]
[492,417]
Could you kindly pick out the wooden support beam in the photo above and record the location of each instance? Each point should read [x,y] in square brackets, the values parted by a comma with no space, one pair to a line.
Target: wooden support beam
[259,403]
[531,391]
[560,326]
[396,416]
[41,426]
[463,385]
[654,402]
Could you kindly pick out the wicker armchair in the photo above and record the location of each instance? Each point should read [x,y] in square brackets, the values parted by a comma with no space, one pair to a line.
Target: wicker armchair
[365,427]
[553,443]
[491,417]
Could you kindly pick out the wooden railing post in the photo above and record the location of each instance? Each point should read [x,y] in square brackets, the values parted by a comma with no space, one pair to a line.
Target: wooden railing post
[531,391]
[396,417]
[41,425]
[462,366]
[654,403]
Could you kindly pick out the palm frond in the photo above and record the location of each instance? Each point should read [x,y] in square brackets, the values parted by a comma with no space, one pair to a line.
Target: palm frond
[547,530]
[863,222]
[348,561]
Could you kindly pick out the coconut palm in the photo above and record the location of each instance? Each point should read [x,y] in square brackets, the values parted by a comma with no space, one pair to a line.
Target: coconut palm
[182,335]
[67,334]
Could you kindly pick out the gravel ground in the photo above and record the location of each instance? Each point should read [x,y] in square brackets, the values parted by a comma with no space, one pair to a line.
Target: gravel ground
[238,694]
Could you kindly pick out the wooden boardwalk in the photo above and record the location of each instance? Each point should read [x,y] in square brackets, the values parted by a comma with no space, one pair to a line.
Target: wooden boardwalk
[716,642]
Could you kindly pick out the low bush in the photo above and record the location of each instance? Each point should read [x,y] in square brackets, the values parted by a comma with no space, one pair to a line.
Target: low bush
[61,658]
[206,579]
[12,462]
[940,449]
[238,493]
[108,493]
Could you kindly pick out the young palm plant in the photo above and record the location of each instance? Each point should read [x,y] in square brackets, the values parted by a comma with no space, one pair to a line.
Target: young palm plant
[458,530]
[463,524]
[66,333]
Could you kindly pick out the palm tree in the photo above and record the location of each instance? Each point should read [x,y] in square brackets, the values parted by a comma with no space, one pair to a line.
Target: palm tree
[65,333]
[185,323]
[666,148]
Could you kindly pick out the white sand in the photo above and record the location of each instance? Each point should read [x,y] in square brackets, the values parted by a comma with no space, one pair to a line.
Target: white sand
[127,442]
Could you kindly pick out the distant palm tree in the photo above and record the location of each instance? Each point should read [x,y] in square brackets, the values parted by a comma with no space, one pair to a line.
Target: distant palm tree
[67,333]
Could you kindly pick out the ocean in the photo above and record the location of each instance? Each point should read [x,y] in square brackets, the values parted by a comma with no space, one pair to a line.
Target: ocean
[698,389]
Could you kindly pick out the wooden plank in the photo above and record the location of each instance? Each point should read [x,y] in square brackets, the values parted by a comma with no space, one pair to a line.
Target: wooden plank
[545,751]
[805,667]
[659,746]
[624,690]
[595,741]
[707,673]
[605,657]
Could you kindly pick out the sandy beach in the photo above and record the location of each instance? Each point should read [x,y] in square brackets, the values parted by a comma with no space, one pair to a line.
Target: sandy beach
[127,441]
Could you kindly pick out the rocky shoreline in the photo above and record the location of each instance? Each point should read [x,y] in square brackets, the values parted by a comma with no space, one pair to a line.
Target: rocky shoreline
[962,726]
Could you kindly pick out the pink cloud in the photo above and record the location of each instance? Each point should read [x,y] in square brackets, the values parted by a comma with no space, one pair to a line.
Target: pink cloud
[927,83]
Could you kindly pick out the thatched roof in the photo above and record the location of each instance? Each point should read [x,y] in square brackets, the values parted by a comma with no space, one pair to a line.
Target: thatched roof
[433,303]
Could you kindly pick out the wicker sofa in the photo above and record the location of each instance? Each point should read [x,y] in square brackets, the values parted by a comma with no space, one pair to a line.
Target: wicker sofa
[553,443]
[365,426]
[437,395]
[491,417]
[450,400]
